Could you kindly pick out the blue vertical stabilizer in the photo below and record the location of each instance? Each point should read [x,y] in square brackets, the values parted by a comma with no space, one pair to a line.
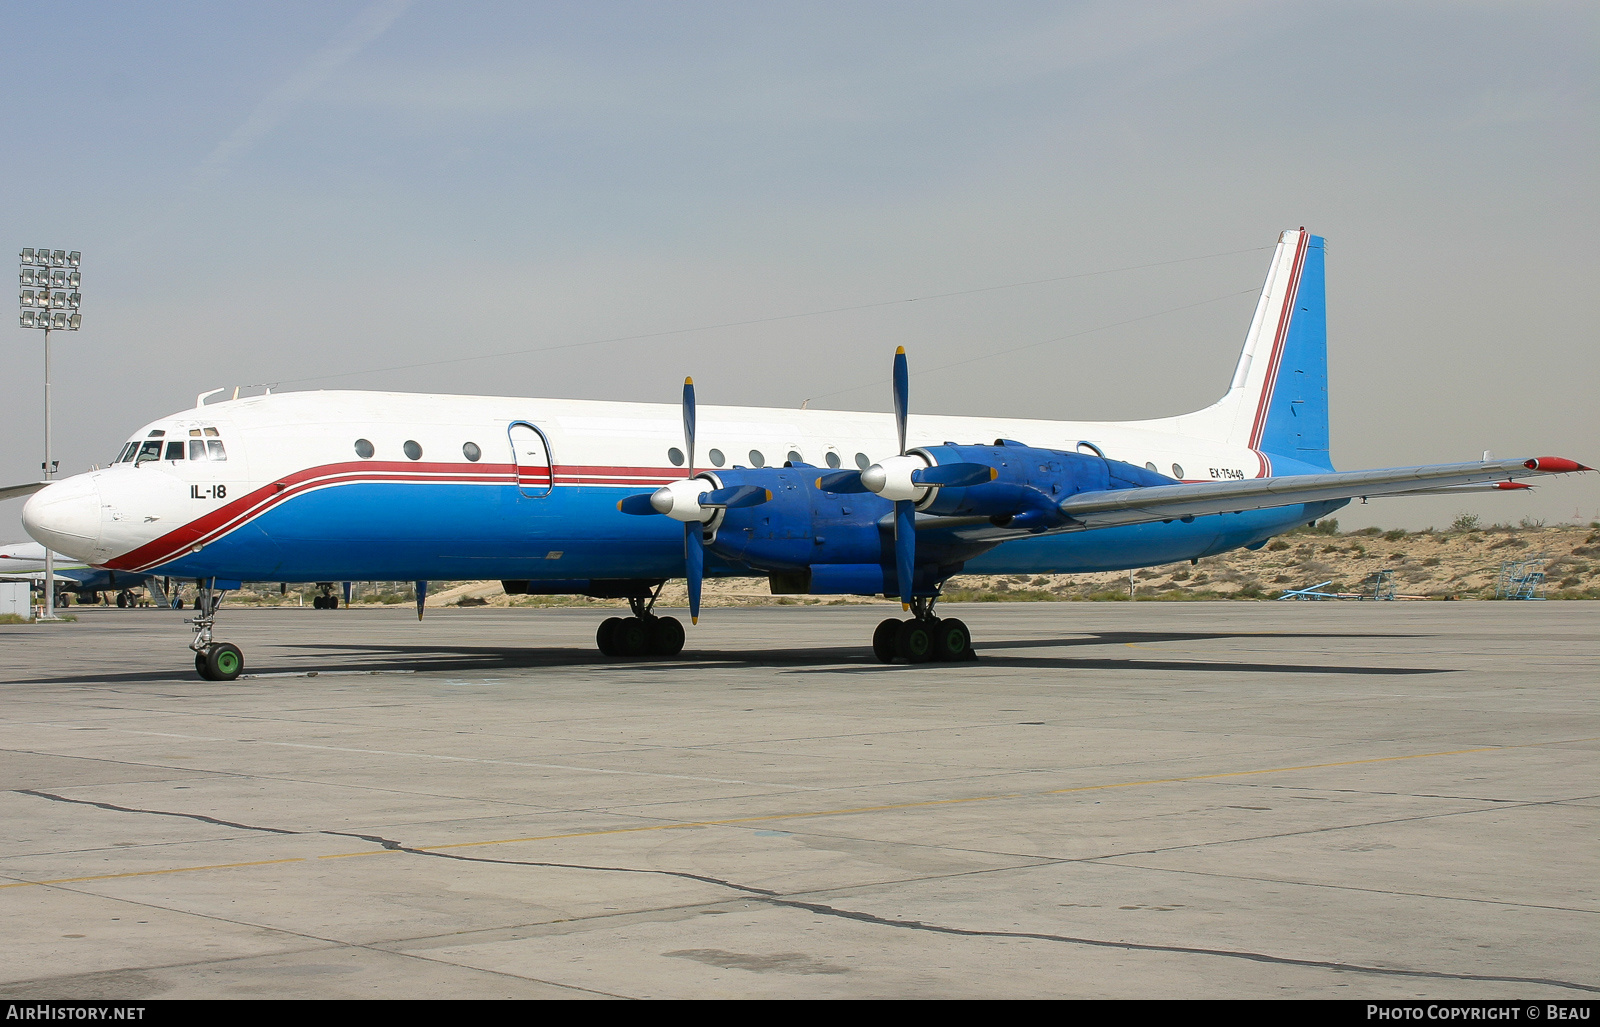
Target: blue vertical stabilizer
[1296,423]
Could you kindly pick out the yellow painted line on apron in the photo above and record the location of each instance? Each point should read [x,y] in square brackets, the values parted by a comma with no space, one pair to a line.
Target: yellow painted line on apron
[768,818]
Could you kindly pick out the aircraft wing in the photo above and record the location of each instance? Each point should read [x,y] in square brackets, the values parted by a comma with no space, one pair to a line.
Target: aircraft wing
[14,491]
[1171,502]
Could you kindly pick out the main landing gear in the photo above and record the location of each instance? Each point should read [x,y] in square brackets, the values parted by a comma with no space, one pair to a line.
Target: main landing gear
[325,599]
[923,638]
[214,661]
[643,634]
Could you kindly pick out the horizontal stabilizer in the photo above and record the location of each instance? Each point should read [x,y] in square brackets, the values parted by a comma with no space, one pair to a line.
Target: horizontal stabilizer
[1170,502]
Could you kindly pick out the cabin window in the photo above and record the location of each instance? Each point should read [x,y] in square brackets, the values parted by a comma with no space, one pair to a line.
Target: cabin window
[1177,471]
[412,449]
[794,457]
[1151,467]
[717,459]
[832,458]
[676,456]
[756,459]
[862,461]
[472,452]
[197,449]
[148,451]
[364,449]
[214,449]
[175,449]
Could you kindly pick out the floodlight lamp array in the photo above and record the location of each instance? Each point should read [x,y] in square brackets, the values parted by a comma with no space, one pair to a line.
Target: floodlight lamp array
[49,296]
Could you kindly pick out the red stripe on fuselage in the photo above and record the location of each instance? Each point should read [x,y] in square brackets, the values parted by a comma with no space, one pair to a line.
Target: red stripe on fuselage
[213,525]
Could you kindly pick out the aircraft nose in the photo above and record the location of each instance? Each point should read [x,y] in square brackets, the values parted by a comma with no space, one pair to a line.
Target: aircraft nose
[65,516]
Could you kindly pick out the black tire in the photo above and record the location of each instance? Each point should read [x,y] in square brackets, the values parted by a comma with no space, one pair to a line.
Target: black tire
[631,638]
[666,636]
[914,642]
[200,665]
[224,661]
[883,640]
[177,604]
[952,642]
[606,637]
[122,600]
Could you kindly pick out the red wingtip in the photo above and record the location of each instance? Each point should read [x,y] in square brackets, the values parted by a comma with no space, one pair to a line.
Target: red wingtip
[1554,464]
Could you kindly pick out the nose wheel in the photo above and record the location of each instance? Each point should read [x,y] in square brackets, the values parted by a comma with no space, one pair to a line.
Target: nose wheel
[924,638]
[214,661]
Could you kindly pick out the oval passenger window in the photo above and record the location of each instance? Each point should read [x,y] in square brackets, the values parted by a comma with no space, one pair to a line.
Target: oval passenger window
[676,456]
[717,459]
[413,450]
[364,449]
[832,458]
[862,461]
[756,459]
[1177,470]
[471,452]
[1149,466]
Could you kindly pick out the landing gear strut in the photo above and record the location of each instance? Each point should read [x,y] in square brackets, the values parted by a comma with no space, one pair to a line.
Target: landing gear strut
[325,599]
[643,634]
[214,661]
[925,637]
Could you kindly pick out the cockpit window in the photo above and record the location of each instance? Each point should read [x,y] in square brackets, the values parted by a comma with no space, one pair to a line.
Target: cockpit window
[175,450]
[211,432]
[127,453]
[214,448]
[197,449]
[156,433]
[148,451]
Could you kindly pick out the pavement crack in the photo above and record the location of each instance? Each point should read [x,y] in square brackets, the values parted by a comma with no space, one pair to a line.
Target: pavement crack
[773,898]
[152,812]
[394,846]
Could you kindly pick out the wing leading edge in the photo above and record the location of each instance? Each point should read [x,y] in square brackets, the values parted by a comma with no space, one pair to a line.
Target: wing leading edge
[1170,502]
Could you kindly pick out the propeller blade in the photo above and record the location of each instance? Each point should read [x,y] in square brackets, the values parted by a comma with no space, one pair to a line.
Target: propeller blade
[842,482]
[688,422]
[737,497]
[902,394]
[695,558]
[905,547]
[955,475]
[639,504]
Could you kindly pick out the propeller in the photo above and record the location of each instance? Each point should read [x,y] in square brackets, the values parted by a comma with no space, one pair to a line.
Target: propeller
[690,501]
[904,480]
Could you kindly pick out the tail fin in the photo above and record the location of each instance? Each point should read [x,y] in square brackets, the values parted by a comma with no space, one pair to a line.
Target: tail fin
[1277,404]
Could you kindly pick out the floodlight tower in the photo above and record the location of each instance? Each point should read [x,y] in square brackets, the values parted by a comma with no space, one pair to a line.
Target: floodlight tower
[50,301]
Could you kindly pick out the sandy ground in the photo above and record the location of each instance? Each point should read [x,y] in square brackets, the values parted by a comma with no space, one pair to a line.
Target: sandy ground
[1427,564]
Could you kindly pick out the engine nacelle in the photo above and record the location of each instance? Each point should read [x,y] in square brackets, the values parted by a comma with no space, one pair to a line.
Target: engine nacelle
[1029,483]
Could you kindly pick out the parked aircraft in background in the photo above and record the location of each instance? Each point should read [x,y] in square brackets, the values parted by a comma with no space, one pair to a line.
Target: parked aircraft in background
[612,499]
[24,561]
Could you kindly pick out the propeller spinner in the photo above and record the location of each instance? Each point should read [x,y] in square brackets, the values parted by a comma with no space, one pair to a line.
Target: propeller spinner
[693,501]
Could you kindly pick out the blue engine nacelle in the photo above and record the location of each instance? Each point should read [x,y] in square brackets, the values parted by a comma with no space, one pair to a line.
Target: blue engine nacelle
[1029,483]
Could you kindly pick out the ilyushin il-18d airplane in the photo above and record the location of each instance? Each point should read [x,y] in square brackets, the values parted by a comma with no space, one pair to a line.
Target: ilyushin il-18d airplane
[611,500]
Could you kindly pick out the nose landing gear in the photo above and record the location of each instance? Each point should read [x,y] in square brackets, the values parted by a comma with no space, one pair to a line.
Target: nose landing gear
[923,638]
[214,661]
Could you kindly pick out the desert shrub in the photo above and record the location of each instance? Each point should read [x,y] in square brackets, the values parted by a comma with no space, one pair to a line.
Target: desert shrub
[1395,535]
[1432,561]
[1464,522]
[1278,546]
[1532,522]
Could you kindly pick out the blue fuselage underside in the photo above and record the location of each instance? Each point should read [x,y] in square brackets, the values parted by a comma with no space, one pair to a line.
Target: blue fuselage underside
[435,532]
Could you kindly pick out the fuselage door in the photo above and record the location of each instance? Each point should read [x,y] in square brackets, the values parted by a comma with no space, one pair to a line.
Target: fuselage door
[530,454]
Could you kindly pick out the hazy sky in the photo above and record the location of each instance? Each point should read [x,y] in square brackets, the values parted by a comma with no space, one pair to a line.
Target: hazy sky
[311,194]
